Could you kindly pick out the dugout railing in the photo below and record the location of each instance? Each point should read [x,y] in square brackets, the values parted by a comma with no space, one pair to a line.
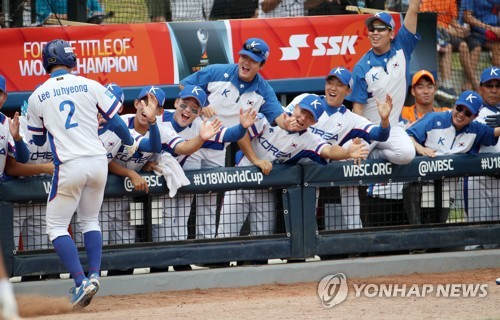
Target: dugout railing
[299,234]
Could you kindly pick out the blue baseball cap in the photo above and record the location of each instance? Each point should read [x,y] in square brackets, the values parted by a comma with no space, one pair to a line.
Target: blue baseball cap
[383,16]
[157,92]
[117,91]
[342,74]
[470,99]
[312,103]
[196,92]
[3,84]
[491,73]
[256,48]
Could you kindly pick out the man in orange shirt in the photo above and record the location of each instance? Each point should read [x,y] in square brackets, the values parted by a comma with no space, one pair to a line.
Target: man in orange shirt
[423,88]
[451,37]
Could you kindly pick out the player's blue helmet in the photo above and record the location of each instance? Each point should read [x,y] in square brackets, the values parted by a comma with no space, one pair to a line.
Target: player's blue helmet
[58,52]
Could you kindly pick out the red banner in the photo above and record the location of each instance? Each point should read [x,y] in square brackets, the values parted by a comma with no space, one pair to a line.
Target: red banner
[131,55]
[309,46]
[153,53]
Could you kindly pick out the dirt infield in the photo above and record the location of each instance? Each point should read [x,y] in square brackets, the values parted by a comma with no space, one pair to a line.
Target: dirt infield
[297,301]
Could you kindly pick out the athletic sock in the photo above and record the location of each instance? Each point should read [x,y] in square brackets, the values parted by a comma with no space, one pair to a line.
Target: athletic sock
[68,253]
[93,245]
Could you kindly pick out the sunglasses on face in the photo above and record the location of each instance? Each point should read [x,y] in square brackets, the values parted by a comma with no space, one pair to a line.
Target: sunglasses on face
[465,111]
[372,28]
[492,85]
[193,109]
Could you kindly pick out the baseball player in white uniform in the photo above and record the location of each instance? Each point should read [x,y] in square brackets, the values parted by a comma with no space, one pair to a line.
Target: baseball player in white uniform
[338,126]
[186,121]
[65,109]
[384,70]
[484,191]
[264,145]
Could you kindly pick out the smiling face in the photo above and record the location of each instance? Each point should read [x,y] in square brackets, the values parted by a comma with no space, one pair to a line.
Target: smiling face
[335,91]
[186,110]
[304,118]
[248,68]
[490,92]
[461,116]
[380,38]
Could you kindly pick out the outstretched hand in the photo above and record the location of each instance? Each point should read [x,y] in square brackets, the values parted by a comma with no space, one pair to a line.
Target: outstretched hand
[14,125]
[209,128]
[358,151]
[247,117]
[151,107]
[385,107]
[493,120]
[208,112]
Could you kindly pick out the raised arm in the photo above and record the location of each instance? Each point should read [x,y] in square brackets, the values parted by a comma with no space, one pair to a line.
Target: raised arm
[411,16]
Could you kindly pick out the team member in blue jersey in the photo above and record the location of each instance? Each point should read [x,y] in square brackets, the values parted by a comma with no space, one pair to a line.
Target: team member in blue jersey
[483,192]
[338,126]
[65,108]
[452,132]
[384,70]
[231,87]
[288,147]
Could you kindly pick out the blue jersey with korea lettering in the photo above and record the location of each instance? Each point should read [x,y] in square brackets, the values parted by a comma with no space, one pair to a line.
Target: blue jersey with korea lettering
[169,140]
[227,94]
[436,131]
[7,147]
[280,146]
[376,76]
[338,125]
[485,111]
[66,106]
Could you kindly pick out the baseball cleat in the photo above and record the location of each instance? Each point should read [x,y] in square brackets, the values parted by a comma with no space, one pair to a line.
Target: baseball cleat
[81,296]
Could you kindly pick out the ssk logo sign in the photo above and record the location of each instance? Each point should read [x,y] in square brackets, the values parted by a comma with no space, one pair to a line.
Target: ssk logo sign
[322,46]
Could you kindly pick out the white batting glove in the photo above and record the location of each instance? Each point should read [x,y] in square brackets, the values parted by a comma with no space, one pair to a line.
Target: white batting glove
[131,149]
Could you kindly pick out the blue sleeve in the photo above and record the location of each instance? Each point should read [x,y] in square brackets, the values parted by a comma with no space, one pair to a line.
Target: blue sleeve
[407,41]
[153,143]
[40,140]
[486,135]
[234,133]
[359,91]
[22,151]
[379,134]
[272,107]
[420,128]
[42,10]
[201,78]
[121,130]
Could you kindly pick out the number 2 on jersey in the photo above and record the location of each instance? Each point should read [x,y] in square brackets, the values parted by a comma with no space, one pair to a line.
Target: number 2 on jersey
[62,106]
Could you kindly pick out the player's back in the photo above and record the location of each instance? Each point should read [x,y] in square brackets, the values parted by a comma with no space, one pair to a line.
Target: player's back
[68,105]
